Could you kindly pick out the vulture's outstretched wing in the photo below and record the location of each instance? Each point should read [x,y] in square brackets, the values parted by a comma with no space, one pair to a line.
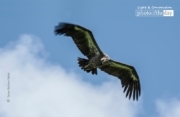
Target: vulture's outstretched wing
[82,37]
[128,75]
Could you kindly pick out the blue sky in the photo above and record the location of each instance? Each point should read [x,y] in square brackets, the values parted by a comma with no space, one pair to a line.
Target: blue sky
[150,44]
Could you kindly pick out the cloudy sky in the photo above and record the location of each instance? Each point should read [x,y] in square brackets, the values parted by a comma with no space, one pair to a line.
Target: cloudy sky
[45,80]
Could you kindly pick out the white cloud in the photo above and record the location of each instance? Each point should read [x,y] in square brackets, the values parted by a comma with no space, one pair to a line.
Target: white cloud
[168,108]
[39,88]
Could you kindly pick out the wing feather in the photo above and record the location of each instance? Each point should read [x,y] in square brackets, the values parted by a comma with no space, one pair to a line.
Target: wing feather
[82,37]
[128,76]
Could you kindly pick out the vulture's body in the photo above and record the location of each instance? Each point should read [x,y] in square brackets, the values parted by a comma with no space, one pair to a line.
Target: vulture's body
[86,43]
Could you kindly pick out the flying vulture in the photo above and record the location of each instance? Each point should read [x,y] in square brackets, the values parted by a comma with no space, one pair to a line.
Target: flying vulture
[84,40]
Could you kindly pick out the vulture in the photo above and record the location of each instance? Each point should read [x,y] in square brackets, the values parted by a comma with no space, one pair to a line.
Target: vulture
[86,43]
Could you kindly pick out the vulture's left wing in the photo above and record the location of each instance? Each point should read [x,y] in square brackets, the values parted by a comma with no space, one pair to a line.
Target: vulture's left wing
[82,37]
[128,76]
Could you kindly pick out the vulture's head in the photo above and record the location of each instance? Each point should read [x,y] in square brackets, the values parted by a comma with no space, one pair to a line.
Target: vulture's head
[105,58]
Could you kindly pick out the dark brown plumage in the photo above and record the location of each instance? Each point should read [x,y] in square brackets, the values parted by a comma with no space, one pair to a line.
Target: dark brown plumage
[85,41]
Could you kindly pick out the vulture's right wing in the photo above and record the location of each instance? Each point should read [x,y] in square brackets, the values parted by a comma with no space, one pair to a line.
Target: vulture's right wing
[83,38]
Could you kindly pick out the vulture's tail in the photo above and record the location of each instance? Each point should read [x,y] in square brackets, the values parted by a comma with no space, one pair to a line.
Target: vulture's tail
[83,62]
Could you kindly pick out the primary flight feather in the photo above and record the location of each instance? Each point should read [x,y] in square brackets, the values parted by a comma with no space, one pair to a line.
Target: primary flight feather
[84,40]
